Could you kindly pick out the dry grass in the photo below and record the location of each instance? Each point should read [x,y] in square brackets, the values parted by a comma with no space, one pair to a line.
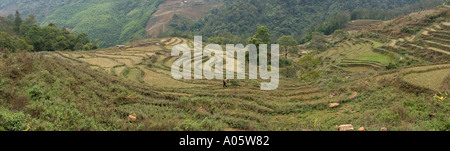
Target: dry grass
[143,85]
[101,62]
[358,69]
[162,80]
[431,80]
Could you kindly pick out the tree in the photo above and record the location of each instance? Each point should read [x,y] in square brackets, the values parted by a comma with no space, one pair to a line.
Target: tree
[10,17]
[288,44]
[392,61]
[261,36]
[30,36]
[31,20]
[17,22]
[340,34]
[224,38]
[95,44]
[26,25]
[83,38]
[78,46]
[318,42]
[338,20]
[12,43]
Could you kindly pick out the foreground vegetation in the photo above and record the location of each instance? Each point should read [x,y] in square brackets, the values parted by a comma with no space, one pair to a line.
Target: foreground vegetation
[70,91]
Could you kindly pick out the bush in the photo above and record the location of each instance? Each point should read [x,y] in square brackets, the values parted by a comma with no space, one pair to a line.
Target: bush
[284,62]
[36,93]
[234,83]
[408,30]
[204,125]
[289,72]
[12,121]
[2,82]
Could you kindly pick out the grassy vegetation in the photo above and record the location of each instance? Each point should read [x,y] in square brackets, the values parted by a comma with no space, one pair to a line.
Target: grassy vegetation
[431,80]
[57,91]
[60,91]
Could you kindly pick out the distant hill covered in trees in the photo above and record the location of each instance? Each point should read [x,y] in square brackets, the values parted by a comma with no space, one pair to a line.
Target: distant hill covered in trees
[24,34]
[40,8]
[111,21]
[299,17]
[120,21]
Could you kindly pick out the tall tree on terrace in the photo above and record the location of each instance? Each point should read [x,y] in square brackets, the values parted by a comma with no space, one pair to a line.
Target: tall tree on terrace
[17,22]
[261,36]
[288,44]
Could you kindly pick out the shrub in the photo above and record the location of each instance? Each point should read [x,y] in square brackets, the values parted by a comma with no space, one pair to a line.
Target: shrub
[373,35]
[307,66]
[204,125]
[12,121]
[289,72]
[408,30]
[284,62]
[36,93]
[2,82]
[126,71]
[235,83]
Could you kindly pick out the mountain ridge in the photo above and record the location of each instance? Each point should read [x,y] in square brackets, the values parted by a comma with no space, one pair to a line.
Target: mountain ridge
[119,22]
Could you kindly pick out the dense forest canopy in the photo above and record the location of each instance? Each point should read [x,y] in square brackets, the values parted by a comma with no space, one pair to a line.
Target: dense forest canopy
[113,22]
[40,8]
[119,21]
[288,17]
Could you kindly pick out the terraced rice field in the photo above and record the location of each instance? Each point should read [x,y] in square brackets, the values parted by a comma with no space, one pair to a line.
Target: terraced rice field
[431,77]
[243,106]
[357,56]
[431,80]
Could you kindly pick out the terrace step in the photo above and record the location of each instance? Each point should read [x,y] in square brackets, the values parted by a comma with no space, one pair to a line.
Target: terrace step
[440,35]
[444,32]
[365,63]
[436,39]
[446,24]
[438,45]
[360,61]
[439,50]
[397,51]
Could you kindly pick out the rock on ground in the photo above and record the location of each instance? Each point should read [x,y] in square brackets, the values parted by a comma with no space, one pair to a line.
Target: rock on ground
[333,105]
[346,127]
[132,118]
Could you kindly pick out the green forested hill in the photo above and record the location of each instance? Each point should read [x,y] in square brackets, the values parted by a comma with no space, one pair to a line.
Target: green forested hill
[40,8]
[112,22]
[294,17]
[118,21]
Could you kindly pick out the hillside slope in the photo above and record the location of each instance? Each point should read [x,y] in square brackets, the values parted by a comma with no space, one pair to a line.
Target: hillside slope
[112,22]
[293,17]
[40,8]
[99,90]
[118,22]
[188,10]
